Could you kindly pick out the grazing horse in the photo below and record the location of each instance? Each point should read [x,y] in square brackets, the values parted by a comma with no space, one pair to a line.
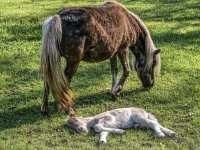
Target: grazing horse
[95,34]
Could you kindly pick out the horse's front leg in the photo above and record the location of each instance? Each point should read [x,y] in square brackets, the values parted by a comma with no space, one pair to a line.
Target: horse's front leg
[44,106]
[114,70]
[123,57]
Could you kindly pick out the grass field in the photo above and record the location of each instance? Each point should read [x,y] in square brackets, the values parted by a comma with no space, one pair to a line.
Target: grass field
[175,28]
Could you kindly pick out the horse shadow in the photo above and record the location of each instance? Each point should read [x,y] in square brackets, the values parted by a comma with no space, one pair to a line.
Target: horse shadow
[13,118]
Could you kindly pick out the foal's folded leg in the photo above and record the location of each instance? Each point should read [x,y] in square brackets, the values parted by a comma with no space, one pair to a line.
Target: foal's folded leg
[114,130]
[100,128]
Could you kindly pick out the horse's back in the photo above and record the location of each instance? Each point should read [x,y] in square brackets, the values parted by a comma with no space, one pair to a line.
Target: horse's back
[105,28]
[104,18]
[73,22]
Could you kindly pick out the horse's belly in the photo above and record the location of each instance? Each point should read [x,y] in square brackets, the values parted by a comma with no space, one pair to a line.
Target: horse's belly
[97,55]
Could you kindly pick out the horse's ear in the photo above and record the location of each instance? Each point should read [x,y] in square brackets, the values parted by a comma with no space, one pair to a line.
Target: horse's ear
[157,51]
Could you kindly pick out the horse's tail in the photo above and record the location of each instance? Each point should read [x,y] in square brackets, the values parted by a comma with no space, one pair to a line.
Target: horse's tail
[51,63]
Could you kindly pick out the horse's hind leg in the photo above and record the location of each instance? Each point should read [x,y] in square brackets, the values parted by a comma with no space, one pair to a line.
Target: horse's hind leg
[71,68]
[114,70]
[44,107]
[75,56]
[123,57]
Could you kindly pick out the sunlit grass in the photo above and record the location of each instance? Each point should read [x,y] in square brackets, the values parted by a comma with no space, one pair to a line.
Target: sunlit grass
[174,25]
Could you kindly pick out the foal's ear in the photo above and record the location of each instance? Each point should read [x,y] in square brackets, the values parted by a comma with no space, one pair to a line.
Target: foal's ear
[71,113]
[157,51]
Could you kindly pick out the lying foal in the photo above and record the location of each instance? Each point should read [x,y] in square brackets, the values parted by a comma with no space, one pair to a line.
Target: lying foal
[115,121]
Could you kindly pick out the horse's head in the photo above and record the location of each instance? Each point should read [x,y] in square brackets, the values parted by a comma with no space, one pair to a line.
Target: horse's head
[147,68]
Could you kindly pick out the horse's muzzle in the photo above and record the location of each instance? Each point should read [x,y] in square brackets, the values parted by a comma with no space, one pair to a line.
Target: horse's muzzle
[148,84]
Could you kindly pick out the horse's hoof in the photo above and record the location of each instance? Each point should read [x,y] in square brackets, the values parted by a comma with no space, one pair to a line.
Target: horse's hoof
[116,91]
[45,113]
[115,95]
[44,110]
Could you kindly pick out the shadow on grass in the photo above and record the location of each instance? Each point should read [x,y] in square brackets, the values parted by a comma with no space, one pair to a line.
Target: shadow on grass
[98,98]
[19,117]
[12,117]
[25,28]
[170,10]
[178,38]
[15,117]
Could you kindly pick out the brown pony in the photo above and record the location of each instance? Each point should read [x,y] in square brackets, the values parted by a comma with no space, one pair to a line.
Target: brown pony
[94,34]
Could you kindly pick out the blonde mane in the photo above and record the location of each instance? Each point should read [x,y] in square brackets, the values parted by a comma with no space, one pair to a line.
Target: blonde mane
[150,47]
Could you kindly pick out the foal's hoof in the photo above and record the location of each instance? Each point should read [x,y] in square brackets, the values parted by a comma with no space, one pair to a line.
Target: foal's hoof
[171,133]
[160,135]
[102,142]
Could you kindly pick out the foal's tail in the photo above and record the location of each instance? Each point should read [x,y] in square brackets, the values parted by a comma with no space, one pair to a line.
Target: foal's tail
[51,63]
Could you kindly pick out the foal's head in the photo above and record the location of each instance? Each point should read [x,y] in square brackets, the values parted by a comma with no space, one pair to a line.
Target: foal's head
[147,67]
[78,124]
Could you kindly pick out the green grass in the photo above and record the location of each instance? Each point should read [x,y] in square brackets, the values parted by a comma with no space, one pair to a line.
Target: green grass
[175,27]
